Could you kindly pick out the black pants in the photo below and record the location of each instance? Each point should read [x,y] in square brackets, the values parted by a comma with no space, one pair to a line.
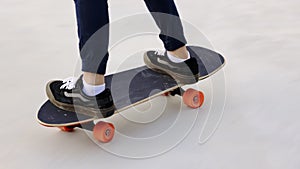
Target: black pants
[92,15]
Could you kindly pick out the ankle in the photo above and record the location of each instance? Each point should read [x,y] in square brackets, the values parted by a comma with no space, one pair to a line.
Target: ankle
[93,78]
[92,90]
[181,53]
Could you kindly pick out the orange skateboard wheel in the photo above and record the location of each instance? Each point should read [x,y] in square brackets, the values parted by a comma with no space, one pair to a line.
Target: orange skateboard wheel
[193,98]
[66,128]
[104,132]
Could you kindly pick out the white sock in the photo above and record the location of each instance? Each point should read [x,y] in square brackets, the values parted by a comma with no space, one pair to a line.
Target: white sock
[176,59]
[92,90]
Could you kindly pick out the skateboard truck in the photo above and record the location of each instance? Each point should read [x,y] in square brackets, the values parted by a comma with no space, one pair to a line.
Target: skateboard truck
[178,91]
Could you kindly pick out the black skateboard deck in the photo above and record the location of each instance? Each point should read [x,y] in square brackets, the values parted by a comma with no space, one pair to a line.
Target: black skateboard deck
[132,87]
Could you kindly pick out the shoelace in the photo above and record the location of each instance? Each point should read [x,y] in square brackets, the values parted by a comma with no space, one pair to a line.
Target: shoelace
[160,52]
[69,83]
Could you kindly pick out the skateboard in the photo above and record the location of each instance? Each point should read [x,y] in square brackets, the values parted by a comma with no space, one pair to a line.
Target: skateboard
[130,88]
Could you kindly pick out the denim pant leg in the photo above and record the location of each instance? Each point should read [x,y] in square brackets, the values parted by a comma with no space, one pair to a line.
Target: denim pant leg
[92,19]
[167,19]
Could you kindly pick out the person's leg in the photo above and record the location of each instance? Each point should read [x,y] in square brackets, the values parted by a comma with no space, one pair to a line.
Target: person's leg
[177,60]
[167,19]
[93,31]
[88,92]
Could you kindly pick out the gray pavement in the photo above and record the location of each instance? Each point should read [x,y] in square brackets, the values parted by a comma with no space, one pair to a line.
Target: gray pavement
[260,123]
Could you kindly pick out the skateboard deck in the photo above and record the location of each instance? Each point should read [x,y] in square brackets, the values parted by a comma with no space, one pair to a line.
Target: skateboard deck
[133,87]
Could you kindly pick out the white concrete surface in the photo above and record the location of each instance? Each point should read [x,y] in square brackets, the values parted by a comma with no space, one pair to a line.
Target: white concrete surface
[260,126]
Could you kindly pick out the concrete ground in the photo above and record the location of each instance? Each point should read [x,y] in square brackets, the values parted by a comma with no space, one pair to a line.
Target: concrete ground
[258,128]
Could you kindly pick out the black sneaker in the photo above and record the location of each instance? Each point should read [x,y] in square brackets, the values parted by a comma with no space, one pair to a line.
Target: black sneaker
[68,95]
[186,72]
